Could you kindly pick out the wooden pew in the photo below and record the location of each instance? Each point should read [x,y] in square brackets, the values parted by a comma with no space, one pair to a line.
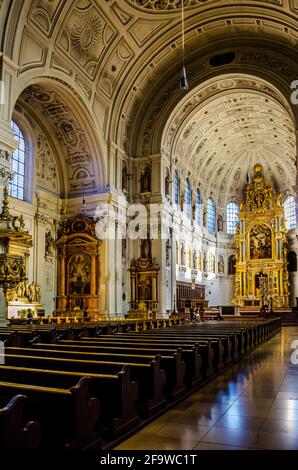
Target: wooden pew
[189,355]
[211,362]
[172,363]
[150,378]
[14,433]
[67,416]
[193,373]
[116,393]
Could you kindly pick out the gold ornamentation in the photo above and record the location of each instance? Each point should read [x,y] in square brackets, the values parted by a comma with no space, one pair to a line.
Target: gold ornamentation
[261,248]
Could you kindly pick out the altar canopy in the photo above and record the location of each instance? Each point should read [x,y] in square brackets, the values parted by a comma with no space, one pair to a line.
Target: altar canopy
[261,247]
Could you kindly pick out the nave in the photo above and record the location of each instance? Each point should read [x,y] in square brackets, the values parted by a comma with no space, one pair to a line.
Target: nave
[252,405]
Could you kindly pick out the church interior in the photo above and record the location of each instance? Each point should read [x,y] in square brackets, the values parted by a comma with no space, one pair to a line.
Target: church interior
[148,225]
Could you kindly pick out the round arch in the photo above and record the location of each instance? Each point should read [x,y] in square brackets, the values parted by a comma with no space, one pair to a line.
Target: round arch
[73,130]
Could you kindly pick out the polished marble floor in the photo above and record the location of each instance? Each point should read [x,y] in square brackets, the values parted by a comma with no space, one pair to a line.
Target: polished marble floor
[252,405]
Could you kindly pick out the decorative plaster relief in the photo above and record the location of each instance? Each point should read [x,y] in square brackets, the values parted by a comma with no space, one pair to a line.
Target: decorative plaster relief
[69,131]
[85,37]
[44,14]
[174,5]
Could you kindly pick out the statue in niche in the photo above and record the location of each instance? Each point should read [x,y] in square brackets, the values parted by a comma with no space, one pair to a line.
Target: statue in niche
[204,216]
[221,265]
[146,180]
[195,260]
[146,248]
[220,223]
[204,262]
[167,184]
[182,200]
[259,200]
[79,274]
[182,255]
[124,245]
[168,253]
[21,290]
[124,178]
[49,240]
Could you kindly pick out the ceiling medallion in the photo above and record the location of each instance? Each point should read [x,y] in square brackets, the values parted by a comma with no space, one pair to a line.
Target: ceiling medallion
[85,34]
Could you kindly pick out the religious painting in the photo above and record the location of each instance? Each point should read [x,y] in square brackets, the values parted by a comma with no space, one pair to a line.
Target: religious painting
[145,286]
[79,274]
[260,242]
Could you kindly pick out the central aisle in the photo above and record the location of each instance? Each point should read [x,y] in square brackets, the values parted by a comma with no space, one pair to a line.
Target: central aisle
[253,405]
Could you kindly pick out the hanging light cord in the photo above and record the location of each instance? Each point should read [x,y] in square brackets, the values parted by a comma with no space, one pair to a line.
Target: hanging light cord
[183,33]
[183,79]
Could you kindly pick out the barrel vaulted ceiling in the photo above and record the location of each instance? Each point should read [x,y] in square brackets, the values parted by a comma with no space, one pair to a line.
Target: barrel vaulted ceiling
[226,126]
[122,60]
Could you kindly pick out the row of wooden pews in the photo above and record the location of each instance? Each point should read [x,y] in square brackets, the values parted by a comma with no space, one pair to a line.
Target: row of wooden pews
[86,388]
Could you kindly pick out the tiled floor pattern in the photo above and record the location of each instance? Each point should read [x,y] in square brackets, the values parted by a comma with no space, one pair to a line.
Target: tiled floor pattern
[253,405]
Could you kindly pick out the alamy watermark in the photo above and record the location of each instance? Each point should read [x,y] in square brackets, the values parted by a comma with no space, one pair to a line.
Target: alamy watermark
[153,221]
[294,354]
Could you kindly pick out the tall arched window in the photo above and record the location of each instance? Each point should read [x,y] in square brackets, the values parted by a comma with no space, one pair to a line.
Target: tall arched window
[16,186]
[188,199]
[290,212]
[176,188]
[199,208]
[232,217]
[210,215]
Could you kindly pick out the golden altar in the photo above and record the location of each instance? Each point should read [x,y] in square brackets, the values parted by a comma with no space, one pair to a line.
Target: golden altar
[261,277]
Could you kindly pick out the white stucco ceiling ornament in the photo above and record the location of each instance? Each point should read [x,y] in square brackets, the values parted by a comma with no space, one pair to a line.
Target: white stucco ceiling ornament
[219,139]
[86,33]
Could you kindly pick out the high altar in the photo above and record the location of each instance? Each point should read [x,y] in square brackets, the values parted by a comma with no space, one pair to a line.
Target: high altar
[261,248]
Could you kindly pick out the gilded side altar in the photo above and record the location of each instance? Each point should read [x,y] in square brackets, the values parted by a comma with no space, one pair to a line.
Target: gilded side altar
[261,248]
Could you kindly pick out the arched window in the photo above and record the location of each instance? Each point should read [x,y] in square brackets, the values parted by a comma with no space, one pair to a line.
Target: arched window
[232,217]
[16,186]
[211,263]
[210,215]
[199,208]
[292,262]
[290,212]
[232,264]
[176,188]
[188,199]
